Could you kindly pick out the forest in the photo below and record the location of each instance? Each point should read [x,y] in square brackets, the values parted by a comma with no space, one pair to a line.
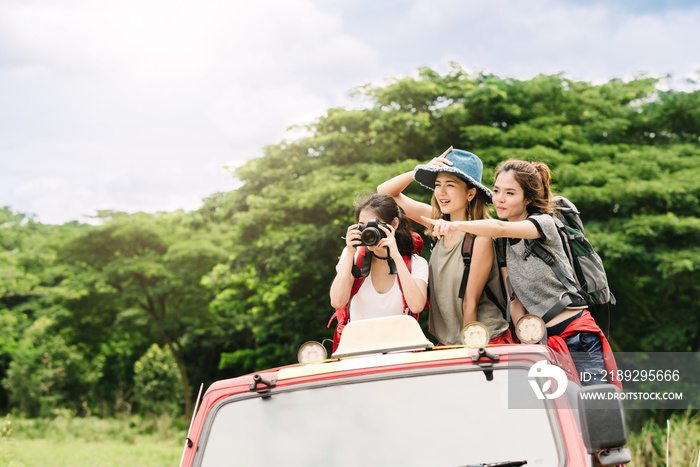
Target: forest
[131,313]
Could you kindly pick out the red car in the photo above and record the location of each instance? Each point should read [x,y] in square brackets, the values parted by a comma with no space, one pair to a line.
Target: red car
[388,398]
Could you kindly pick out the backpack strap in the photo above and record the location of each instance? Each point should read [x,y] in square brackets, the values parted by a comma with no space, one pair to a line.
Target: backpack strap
[364,253]
[500,247]
[341,314]
[492,296]
[571,286]
[467,251]
[511,296]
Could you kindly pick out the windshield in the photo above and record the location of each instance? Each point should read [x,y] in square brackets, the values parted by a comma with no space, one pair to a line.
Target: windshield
[436,419]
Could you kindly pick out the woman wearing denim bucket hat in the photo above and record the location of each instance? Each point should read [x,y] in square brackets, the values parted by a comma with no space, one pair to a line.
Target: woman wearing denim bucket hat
[455,178]
[523,198]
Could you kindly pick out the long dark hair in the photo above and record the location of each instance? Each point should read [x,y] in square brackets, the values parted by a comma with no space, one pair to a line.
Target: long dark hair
[534,178]
[386,210]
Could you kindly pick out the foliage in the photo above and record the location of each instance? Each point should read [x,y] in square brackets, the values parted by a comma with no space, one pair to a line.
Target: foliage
[157,382]
[240,283]
[47,373]
[679,437]
[136,280]
[6,429]
[613,150]
[5,433]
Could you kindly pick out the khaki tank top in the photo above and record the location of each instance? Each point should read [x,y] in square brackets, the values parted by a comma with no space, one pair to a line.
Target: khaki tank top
[446,268]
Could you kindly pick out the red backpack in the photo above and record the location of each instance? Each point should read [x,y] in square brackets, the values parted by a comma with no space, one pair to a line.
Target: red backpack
[342,315]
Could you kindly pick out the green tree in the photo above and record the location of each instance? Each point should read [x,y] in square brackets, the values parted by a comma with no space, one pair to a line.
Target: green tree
[601,142]
[47,373]
[137,278]
[156,381]
[28,278]
[239,284]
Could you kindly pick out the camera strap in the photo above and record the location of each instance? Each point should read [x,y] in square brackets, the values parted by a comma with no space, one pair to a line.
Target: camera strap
[367,262]
[390,260]
[392,267]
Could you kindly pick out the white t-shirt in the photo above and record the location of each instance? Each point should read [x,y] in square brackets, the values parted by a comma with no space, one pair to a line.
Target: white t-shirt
[368,303]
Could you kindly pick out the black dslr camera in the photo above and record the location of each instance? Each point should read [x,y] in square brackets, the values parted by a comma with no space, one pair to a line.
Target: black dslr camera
[371,234]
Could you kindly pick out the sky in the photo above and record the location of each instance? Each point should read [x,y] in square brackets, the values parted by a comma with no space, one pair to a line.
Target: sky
[141,105]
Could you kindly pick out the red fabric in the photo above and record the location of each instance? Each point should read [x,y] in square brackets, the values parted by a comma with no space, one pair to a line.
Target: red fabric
[505,338]
[586,323]
[341,314]
[417,243]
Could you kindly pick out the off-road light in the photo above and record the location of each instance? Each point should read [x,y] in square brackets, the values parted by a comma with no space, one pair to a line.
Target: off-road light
[475,334]
[311,351]
[530,329]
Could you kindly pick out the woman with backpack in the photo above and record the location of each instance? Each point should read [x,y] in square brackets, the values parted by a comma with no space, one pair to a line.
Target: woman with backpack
[379,273]
[458,295]
[522,196]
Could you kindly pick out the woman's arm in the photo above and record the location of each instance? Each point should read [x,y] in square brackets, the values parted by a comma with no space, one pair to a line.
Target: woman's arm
[479,270]
[415,291]
[395,186]
[486,228]
[342,284]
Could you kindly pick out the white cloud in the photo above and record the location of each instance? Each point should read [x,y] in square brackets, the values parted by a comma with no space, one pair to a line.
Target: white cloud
[144,102]
[137,104]
[587,40]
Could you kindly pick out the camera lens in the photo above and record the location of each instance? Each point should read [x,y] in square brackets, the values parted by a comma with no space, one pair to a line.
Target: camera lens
[370,236]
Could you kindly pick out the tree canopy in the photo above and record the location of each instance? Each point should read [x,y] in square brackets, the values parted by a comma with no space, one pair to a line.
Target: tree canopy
[241,283]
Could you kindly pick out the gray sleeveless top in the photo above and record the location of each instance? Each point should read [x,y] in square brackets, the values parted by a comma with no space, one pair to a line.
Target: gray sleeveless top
[533,281]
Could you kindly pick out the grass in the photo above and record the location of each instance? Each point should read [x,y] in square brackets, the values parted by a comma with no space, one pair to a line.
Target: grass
[76,442]
[74,452]
[680,436]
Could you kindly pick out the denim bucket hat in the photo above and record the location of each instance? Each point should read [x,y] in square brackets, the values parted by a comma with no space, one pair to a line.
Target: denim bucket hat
[465,165]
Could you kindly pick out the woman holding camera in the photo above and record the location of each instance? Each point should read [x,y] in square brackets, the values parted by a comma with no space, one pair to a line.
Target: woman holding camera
[378,273]
[458,295]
